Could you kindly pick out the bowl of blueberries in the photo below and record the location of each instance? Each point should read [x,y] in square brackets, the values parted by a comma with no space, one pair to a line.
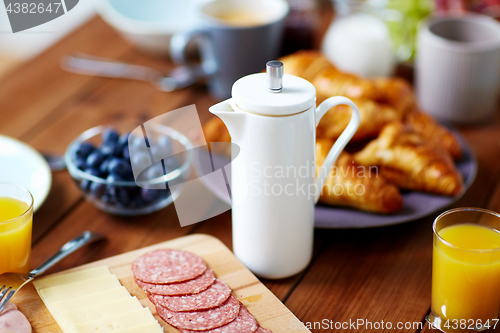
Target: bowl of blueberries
[115,168]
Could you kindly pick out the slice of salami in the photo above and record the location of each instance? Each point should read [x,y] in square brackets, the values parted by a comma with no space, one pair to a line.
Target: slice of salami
[151,298]
[192,286]
[167,266]
[263,330]
[202,320]
[214,296]
[244,323]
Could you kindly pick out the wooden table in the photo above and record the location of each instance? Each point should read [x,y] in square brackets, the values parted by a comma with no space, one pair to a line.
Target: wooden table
[380,274]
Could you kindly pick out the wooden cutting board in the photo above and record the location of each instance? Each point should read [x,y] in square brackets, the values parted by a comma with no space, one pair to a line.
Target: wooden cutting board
[260,301]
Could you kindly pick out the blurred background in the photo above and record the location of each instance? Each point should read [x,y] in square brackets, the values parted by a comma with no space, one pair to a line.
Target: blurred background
[373,26]
[24,45]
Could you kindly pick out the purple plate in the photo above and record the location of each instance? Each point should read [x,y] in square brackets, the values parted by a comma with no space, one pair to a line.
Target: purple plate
[416,204]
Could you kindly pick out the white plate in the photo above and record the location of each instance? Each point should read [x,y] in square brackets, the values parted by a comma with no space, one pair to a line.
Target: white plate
[22,165]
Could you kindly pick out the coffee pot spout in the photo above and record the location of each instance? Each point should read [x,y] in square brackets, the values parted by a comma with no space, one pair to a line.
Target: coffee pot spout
[233,118]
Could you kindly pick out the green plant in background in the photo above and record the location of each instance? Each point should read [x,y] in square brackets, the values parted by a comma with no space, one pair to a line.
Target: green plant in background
[404,36]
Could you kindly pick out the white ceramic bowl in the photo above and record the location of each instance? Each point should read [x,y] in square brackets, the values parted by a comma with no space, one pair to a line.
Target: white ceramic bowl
[148,24]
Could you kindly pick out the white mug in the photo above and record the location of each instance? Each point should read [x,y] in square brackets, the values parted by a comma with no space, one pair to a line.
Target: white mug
[457,67]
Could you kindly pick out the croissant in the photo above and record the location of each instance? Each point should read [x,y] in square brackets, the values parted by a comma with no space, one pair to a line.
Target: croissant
[397,93]
[374,117]
[305,64]
[410,162]
[326,78]
[329,81]
[216,131]
[349,184]
[432,131]
[378,106]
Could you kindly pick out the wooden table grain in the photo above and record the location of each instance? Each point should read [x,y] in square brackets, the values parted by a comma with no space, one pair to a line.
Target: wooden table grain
[370,275]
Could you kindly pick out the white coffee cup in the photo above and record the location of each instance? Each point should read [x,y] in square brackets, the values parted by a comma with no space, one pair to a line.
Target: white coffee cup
[457,67]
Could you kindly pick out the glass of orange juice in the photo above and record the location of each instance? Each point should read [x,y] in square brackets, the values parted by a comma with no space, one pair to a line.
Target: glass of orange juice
[16,219]
[466,271]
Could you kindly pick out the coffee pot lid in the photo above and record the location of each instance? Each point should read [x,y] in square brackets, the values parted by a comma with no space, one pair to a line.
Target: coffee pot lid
[273,93]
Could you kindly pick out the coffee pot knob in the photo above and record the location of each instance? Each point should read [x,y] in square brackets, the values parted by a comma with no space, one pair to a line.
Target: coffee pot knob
[274,75]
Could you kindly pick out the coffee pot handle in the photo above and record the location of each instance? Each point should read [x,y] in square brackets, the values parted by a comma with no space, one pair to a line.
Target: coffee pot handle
[341,141]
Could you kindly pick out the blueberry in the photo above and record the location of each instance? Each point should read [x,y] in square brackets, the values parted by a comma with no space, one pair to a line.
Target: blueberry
[165,145]
[134,191]
[111,149]
[85,184]
[110,135]
[112,177]
[156,152]
[123,140]
[171,163]
[80,163]
[97,189]
[108,199]
[138,142]
[137,202]
[123,196]
[95,159]
[149,195]
[140,160]
[126,153]
[119,167]
[93,172]
[103,168]
[154,171]
[129,176]
[111,191]
[84,149]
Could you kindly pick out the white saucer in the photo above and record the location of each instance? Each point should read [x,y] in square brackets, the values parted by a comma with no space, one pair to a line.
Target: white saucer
[22,165]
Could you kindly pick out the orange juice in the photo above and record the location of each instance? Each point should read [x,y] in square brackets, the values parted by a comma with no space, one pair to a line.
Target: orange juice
[15,235]
[466,276]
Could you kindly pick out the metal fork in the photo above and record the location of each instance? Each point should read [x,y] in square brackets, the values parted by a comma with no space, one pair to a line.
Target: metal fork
[10,283]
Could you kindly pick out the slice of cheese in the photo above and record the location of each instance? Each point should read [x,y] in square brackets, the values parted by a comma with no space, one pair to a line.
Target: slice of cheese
[115,323]
[114,294]
[79,288]
[101,309]
[57,308]
[62,279]
[146,328]
[93,300]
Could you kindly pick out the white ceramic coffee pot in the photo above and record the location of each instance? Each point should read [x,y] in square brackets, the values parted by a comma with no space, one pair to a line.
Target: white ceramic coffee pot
[272,118]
